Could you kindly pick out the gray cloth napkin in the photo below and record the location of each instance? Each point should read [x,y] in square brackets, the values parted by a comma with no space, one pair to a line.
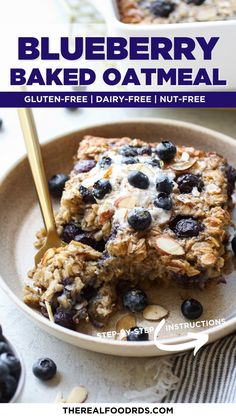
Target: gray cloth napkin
[209,377]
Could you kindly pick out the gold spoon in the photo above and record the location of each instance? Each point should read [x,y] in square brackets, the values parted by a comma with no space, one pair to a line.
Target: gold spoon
[38,172]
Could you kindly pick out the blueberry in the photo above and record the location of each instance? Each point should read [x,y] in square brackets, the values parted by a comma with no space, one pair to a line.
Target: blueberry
[187,227]
[162,8]
[88,239]
[135,300]
[128,151]
[233,244]
[188,181]
[137,334]
[105,162]
[154,162]
[64,318]
[9,388]
[4,347]
[139,218]
[57,184]
[70,231]
[11,362]
[44,369]
[129,160]
[4,370]
[101,188]
[196,2]
[191,309]
[84,166]
[87,195]
[138,179]
[145,150]
[231,176]
[166,150]
[164,184]
[163,201]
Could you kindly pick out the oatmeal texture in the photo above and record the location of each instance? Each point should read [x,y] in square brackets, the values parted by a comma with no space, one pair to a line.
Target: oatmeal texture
[175,11]
[168,224]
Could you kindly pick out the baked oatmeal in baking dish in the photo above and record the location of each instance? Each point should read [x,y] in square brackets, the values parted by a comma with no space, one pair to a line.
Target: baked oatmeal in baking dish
[133,211]
[175,11]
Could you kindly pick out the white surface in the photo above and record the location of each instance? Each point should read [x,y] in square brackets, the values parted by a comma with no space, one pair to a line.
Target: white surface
[105,377]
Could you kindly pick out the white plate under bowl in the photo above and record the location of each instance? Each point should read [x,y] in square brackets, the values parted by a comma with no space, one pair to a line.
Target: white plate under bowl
[20,218]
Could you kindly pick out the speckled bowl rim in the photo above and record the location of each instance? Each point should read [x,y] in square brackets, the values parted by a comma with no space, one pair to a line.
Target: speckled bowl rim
[214,333]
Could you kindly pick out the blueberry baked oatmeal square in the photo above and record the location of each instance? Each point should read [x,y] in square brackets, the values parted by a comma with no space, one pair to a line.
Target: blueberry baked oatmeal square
[133,211]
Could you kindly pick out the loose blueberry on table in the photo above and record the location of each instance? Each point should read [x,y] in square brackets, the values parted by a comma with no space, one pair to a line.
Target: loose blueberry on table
[44,369]
[57,184]
[10,370]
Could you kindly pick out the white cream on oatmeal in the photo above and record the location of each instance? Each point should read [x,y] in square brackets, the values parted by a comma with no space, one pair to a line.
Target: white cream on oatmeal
[124,196]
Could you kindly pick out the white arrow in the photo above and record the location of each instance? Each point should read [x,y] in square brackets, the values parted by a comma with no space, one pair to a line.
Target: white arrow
[200,339]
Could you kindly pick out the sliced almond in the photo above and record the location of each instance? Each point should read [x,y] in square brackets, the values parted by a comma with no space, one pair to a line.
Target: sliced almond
[59,398]
[126,202]
[183,165]
[49,310]
[154,312]
[125,323]
[77,395]
[107,173]
[167,245]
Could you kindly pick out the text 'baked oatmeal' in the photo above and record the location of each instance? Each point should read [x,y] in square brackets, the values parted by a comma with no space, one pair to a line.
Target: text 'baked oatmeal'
[175,11]
[133,211]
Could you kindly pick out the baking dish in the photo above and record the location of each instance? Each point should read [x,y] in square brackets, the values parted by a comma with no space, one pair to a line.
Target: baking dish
[222,57]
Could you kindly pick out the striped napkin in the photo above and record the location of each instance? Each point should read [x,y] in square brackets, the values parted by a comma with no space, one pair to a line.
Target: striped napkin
[208,377]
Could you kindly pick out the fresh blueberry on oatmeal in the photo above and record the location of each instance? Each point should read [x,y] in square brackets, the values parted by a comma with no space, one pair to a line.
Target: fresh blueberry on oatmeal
[140,219]
[162,8]
[163,201]
[166,151]
[101,188]
[188,181]
[164,184]
[138,179]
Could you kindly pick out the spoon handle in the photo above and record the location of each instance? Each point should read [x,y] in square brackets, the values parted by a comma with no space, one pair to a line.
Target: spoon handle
[37,166]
